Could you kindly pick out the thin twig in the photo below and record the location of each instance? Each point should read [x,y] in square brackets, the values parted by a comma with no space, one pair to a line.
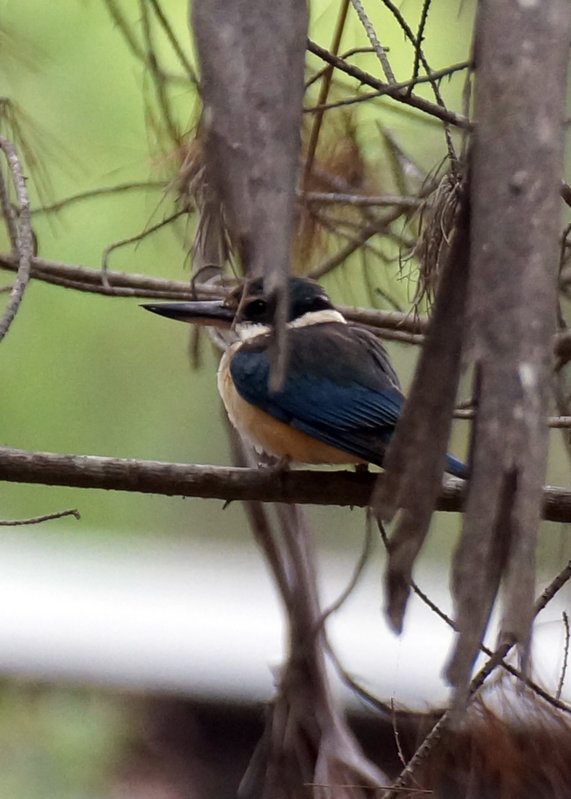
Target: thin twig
[375,43]
[553,421]
[331,263]
[126,30]
[120,188]
[260,522]
[565,655]
[401,95]
[419,39]
[415,339]
[357,688]
[137,238]
[323,93]
[554,586]
[374,226]
[396,734]
[125,284]
[353,100]
[88,279]
[8,214]
[23,241]
[157,76]
[45,518]
[348,229]
[406,84]
[359,200]
[166,26]
[517,673]
[498,656]
[417,44]
[355,577]
[346,54]
[119,19]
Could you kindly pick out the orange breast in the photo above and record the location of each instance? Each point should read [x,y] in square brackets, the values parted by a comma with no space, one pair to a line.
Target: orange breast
[267,434]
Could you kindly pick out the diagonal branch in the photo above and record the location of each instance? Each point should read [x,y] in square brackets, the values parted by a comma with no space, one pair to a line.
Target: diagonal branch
[496,659]
[401,95]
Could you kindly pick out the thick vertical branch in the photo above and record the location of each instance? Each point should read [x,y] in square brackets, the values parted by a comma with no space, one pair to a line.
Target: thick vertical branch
[521,59]
[415,459]
[306,738]
[252,56]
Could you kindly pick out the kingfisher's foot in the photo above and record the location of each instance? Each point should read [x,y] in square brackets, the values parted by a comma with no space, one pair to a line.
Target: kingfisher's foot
[277,465]
[361,468]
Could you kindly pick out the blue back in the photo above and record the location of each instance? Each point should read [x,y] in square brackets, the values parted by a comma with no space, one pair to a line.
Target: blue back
[340,387]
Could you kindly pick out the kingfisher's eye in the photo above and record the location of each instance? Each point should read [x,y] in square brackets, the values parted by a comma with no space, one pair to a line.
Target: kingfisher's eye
[256,309]
[320,303]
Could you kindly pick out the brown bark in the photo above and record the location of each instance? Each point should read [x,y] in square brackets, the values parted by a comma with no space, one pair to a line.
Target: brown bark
[342,488]
[521,60]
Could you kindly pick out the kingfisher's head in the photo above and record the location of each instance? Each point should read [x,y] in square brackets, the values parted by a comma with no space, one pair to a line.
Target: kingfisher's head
[251,310]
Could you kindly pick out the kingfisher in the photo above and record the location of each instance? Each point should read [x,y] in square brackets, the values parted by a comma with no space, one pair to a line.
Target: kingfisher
[340,399]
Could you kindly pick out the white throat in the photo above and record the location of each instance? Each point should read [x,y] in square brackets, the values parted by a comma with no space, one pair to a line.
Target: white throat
[248,330]
[318,318]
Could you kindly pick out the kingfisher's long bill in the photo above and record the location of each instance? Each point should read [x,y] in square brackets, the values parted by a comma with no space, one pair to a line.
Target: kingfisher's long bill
[341,397]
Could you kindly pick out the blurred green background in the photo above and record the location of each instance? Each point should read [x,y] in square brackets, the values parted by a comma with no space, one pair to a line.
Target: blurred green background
[89,374]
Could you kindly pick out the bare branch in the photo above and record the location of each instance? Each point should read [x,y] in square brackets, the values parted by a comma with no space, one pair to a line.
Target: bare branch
[552,700]
[126,31]
[556,422]
[561,682]
[420,58]
[302,486]
[418,54]
[159,79]
[498,656]
[517,673]
[45,518]
[415,459]
[361,237]
[406,84]
[347,54]
[323,93]
[516,168]
[401,95]
[120,188]
[124,284]
[20,234]
[326,198]
[375,43]
[175,44]
[136,238]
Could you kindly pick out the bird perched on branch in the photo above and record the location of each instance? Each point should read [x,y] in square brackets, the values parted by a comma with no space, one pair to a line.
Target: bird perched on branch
[340,399]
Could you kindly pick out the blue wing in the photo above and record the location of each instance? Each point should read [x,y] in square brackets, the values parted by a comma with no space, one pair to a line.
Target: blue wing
[340,387]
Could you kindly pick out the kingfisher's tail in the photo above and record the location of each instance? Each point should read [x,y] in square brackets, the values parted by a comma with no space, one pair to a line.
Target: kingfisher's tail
[455,467]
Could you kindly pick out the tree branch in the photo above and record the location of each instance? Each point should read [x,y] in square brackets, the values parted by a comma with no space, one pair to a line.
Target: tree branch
[402,95]
[46,517]
[125,284]
[20,233]
[306,487]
